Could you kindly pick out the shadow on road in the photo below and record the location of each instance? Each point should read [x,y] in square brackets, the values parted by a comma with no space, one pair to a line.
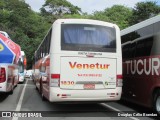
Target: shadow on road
[76,110]
[3,96]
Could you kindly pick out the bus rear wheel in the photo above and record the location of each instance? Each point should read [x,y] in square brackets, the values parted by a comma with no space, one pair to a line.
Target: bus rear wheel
[41,91]
[11,91]
[43,98]
[157,102]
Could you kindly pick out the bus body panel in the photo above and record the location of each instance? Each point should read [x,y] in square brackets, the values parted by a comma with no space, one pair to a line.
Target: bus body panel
[83,72]
[141,76]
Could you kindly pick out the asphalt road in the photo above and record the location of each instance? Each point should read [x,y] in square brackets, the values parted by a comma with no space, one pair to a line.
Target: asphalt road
[27,99]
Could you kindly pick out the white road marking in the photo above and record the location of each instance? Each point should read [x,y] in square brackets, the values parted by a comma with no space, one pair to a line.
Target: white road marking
[18,108]
[117,110]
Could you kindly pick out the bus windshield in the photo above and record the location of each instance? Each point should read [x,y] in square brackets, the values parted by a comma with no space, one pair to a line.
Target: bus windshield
[84,37]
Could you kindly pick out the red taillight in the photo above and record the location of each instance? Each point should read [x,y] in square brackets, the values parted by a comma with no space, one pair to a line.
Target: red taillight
[2,75]
[55,80]
[119,77]
[53,76]
[119,80]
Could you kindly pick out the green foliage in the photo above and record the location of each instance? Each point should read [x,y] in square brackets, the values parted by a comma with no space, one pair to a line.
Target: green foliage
[59,7]
[117,14]
[2,4]
[143,11]
[28,28]
[76,16]
[25,27]
[99,15]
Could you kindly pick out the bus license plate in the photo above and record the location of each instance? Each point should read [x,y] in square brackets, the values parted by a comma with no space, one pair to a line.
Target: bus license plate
[89,86]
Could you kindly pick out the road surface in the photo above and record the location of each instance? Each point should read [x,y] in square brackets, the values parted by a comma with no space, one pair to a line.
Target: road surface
[26,102]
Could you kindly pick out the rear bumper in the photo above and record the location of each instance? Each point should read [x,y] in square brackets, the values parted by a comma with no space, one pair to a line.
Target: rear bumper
[62,95]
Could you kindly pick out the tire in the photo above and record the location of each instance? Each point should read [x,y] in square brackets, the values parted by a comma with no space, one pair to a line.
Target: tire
[11,92]
[43,98]
[41,92]
[36,88]
[40,87]
[15,85]
[156,104]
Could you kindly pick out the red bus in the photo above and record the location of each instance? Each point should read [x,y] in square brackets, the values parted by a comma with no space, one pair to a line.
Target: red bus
[141,63]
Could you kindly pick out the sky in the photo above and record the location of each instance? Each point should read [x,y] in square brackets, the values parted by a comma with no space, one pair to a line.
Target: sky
[90,6]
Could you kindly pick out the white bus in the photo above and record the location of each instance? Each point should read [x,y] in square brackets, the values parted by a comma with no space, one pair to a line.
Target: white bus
[79,60]
[22,67]
[9,57]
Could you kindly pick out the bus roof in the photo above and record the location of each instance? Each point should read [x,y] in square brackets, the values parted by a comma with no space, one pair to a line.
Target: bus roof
[84,21]
[141,25]
[9,50]
[5,34]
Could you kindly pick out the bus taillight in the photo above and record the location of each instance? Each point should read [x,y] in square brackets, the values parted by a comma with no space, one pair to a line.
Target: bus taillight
[2,75]
[119,80]
[55,80]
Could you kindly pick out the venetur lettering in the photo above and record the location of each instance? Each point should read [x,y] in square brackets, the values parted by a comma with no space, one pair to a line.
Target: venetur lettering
[88,66]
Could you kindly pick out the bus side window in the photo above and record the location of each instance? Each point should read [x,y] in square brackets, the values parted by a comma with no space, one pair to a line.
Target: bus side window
[148,46]
[144,47]
[145,41]
[140,48]
[126,51]
[132,50]
[156,42]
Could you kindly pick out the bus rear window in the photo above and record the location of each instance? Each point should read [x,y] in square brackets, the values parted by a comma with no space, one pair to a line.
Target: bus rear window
[83,37]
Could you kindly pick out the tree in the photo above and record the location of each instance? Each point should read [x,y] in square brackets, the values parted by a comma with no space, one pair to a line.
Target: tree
[2,4]
[143,11]
[59,7]
[99,15]
[25,27]
[117,14]
[76,16]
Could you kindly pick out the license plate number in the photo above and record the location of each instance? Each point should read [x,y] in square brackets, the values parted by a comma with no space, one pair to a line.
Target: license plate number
[89,86]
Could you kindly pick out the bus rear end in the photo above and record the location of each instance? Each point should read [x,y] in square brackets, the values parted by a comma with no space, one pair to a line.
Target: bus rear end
[85,61]
[6,78]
